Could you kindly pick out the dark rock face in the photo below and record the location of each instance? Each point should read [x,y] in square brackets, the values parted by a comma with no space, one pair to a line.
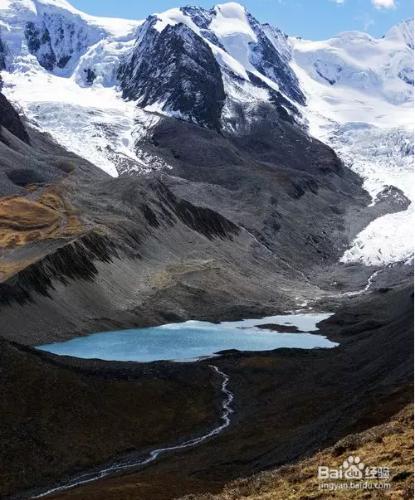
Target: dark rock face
[2,56]
[270,59]
[407,75]
[25,177]
[11,120]
[284,109]
[75,261]
[321,70]
[395,196]
[274,63]
[203,220]
[54,40]
[90,76]
[201,17]
[177,70]
[38,38]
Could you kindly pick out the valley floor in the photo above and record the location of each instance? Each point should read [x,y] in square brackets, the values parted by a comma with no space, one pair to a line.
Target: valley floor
[289,404]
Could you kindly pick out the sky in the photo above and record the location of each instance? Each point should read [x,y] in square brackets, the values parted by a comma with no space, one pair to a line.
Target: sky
[311,19]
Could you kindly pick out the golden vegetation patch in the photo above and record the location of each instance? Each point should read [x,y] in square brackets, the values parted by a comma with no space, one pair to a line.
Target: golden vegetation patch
[387,446]
[34,218]
[39,216]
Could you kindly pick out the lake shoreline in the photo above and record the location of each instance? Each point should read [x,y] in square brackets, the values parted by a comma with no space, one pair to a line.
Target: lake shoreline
[193,341]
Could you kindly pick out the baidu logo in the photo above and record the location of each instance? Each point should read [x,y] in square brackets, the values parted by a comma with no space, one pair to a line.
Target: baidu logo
[353,474]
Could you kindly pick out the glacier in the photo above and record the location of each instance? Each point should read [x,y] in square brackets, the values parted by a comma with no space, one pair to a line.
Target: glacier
[57,98]
[353,92]
[360,102]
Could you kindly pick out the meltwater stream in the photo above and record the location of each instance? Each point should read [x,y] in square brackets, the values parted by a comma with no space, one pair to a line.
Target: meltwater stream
[152,456]
[189,341]
[194,340]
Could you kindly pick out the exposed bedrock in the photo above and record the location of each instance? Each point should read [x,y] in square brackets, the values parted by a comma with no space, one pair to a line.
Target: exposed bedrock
[9,119]
[177,68]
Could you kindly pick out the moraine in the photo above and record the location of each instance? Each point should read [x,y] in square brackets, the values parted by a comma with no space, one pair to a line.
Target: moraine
[195,340]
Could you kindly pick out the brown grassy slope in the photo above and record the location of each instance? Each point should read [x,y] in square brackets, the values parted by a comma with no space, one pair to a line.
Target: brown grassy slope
[24,219]
[27,220]
[388,445]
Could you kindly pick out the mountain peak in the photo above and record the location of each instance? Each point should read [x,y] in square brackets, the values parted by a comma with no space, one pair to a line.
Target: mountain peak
[232,18]
[62,4]
[403,31]
[231,9]
[31,5]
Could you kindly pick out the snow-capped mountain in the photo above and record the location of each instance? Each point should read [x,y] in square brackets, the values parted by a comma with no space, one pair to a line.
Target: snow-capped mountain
[56,33]
[360,101]
[59,59]
[48,49]
[201,64]
[113,81]
[175,72]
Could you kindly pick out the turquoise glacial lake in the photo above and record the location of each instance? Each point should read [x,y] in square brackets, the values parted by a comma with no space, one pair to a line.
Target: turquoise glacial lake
[195,340]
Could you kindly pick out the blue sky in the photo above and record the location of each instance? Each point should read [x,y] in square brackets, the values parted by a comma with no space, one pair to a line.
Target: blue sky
[314,19]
